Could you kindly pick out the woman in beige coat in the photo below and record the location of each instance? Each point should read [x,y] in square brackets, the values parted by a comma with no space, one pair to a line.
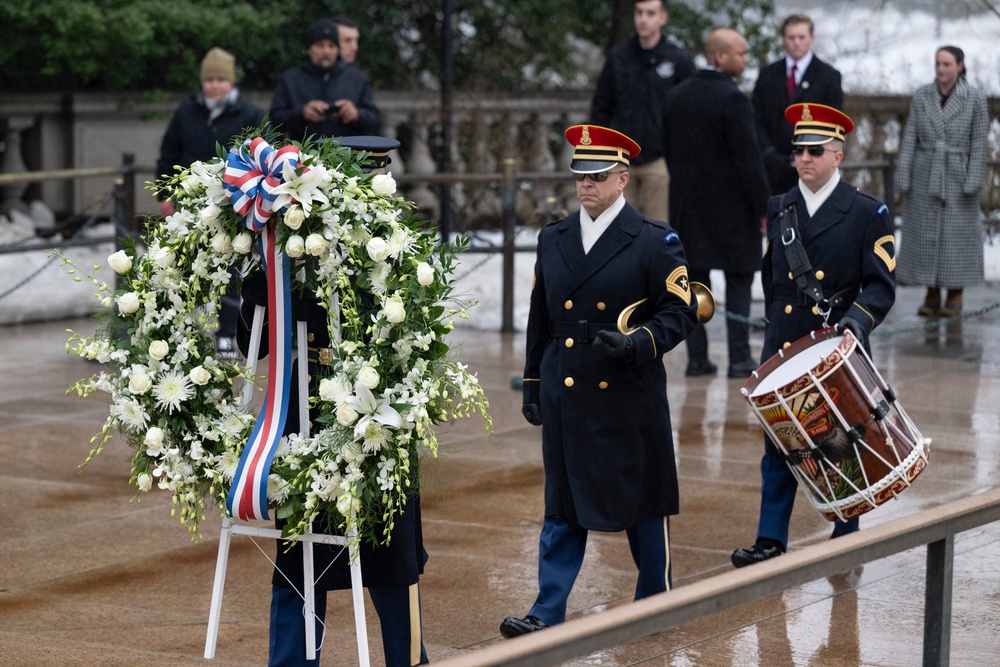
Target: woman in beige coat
[942,163]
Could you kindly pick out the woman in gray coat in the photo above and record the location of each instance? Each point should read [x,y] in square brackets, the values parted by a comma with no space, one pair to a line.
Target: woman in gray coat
[942,163]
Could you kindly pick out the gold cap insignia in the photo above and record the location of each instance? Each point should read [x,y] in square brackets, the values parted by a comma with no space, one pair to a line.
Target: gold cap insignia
[585,139]
[806,114]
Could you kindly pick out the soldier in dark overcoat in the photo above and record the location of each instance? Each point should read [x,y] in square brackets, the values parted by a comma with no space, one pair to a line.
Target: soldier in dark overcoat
[610,298]
[390,572]
[847,236]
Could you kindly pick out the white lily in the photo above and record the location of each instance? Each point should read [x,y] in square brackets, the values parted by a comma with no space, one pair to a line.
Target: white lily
[371,409]
[305,188]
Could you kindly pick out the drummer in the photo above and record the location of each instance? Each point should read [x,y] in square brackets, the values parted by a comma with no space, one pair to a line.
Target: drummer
[848,281]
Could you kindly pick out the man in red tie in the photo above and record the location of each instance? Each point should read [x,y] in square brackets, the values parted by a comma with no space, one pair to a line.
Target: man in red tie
[798,77]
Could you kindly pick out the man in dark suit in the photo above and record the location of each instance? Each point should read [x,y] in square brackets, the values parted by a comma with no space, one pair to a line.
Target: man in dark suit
[798,77]
[718,192]
[610,297]
[847,237]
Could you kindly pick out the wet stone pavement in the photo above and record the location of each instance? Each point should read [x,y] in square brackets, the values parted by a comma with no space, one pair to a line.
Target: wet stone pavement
[90,578]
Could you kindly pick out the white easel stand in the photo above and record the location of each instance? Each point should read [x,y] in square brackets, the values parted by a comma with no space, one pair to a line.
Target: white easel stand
[308,539]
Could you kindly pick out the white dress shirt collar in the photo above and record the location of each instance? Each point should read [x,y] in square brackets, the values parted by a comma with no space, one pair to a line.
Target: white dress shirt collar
[815,199]
[591,230]
[800,65]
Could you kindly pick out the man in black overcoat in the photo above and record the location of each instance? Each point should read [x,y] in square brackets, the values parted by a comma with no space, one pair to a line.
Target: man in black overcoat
[778,86]
[610,297]
[848,238]
[718,192]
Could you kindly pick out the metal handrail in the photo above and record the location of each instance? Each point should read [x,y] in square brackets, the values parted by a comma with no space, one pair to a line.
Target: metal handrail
[934,527]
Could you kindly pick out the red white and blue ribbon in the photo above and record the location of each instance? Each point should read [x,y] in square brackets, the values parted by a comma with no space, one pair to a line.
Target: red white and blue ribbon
[252,173]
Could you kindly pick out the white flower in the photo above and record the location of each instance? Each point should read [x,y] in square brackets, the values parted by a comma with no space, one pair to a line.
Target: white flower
[383,184]
[305,188]
[425,274]
[163,257]
[398,242]
[159,349]
[221,243]
[372,409]
[128,303]
[154,437]
[172,390]
[334,390]
[139,383]
[369,377]
[132,413]
[144,482]
[199,375]
[295,246]
[346,414]
[210,215]
[394,310]
[120,262]
[294,217]
[315,245]
[377,249]
[242,243]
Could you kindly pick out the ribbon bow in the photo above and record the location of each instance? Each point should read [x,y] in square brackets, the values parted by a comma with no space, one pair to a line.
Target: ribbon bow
[253,172]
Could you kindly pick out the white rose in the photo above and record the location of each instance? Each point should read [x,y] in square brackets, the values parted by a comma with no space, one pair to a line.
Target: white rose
[346,414]
[394,310]
[158,349]
[377,249]
[242,243]
[294,217]
[209,215]
[334,390]
[145,482]
[154,436]
[383,184]
[315,245]
[425,274]
[128,303]
[163,258]
[140,383]
[120,262]
[199,375]
[368,376]
[221,243]
[295,246]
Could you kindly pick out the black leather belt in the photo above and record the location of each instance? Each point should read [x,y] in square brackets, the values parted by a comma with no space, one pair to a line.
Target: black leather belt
[839,299]
[581,331]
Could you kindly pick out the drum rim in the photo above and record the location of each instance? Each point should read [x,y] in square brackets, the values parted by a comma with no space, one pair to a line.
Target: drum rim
[829,364]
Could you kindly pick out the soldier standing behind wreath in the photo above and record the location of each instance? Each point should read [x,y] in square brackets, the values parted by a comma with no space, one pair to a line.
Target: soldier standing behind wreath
[847,237]
[629,98]
[594,378]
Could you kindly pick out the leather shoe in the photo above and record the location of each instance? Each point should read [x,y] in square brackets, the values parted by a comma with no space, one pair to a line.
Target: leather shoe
[700,367]
[742,369]
[756,554]
[513,626]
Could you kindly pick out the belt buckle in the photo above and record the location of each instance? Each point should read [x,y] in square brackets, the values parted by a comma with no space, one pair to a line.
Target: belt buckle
[582,331]
[324,356]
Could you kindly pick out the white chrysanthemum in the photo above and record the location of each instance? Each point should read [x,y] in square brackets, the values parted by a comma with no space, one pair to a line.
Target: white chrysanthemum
[171,390]
[131,413]
[374,436]
[227,464]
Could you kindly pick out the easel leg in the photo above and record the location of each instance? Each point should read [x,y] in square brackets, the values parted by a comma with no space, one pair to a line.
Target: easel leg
[215,612]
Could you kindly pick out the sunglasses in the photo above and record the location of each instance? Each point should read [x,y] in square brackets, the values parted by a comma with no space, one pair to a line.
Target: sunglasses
[599,177]
[815,151]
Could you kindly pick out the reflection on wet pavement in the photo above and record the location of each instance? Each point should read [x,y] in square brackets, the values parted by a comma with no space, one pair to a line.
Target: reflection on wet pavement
[90,578]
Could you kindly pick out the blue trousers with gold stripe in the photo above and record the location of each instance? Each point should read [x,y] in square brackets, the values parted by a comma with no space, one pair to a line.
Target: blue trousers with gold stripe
[398,611]
[561,547]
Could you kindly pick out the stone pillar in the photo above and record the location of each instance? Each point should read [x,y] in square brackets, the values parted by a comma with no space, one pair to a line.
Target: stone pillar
[13,163]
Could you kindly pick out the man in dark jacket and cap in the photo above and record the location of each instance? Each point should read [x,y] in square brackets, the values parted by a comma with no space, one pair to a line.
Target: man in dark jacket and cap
[323,95]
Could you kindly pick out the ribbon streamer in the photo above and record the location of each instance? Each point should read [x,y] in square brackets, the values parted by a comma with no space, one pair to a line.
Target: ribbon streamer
[252,173]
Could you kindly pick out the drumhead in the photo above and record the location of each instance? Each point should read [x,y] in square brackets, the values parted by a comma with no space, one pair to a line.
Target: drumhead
[792,368]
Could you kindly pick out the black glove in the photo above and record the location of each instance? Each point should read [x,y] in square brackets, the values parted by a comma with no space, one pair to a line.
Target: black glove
[533,413]
[613,344]
[852,325]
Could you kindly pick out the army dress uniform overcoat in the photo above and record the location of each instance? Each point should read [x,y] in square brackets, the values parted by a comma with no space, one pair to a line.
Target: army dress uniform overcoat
[606,438]
[850,246]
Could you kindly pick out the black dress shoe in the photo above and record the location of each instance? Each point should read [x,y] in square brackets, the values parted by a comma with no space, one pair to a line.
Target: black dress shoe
[742,369]
[700,367]
[513,626]
[757,553]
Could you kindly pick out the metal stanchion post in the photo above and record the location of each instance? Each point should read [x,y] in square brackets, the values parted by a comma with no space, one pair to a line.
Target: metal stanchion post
[509,221]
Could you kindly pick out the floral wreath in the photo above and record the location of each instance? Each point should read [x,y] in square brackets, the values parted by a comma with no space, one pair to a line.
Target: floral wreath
[391,380]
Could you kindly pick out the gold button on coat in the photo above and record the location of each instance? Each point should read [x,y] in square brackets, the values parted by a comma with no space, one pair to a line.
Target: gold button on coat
[786,346]
[569,342]
[600,305]
[603,385]
[312,337]
[568,305]
[568,382]
[790,276]
[819,275]
[815,310]
[788,308]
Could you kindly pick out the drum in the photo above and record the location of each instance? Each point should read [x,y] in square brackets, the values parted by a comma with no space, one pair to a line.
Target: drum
[837,424]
